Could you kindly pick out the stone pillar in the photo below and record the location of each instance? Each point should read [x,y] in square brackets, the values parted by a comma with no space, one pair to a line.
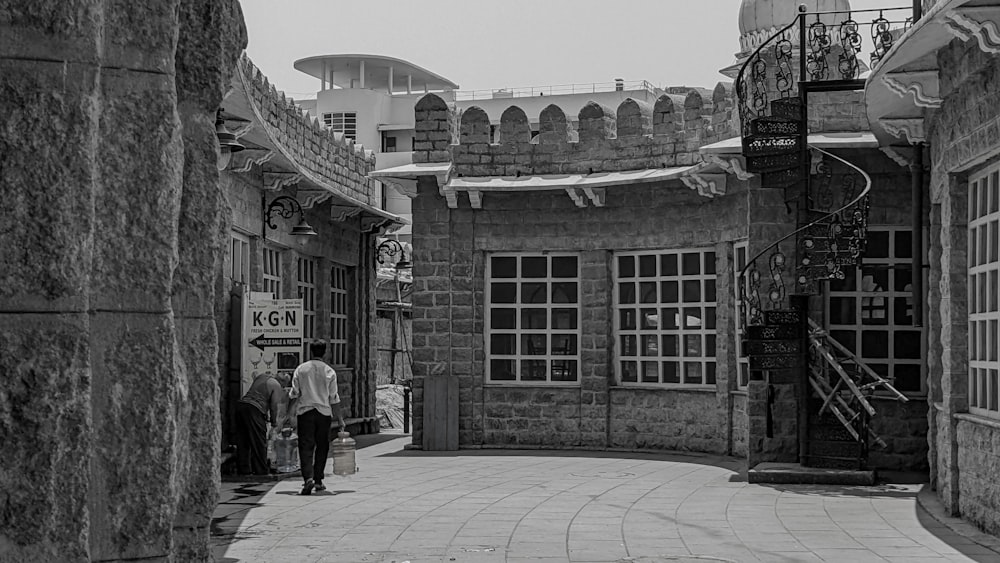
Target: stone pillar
[210,40]
[107,300]
[954,328]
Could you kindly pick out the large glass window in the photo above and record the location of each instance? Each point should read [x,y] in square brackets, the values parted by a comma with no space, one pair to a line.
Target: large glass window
[664,318]
[533,319]
[740,250]
[984,215]
[343,122]
[307,293]
[870,311]
[272,271]
[338,315]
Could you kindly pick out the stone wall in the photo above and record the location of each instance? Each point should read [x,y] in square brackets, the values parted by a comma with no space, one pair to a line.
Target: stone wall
[964,134]
[451,247]
[632,137]
[109,262]
[339,242]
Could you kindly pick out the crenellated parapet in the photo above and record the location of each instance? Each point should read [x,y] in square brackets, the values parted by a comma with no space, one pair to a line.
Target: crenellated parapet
[328,157]
[633,136]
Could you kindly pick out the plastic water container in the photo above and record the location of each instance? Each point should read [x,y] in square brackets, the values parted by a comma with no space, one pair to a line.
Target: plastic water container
[344,460]
[286,451]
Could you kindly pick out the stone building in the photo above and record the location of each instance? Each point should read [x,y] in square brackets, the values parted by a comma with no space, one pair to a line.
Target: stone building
[294,168]
[112,237]
[934,104]
[581,288]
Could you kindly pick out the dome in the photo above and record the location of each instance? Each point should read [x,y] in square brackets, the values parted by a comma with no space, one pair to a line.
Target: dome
[759,19]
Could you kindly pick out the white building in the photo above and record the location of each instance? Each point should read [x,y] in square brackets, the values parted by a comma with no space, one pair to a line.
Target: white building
[370,99]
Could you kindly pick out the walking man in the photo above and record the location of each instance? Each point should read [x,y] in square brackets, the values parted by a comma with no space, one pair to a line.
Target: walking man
[314,384]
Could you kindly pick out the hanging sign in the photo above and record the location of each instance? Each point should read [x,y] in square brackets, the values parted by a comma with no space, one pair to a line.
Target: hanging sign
[272,336]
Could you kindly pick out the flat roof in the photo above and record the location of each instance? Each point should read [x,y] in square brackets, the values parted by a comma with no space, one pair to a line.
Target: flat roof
[345,66]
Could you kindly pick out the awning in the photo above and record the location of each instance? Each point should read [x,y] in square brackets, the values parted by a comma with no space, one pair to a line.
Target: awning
[845,140]
[413,171]
[905,82]
[394,126]
[563,181]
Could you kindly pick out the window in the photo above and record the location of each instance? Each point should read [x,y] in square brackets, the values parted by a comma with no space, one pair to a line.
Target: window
[870,311]
[533,319]
[343,122]
[240,258]
[307,293]
[272,271]
[338,315]
[740,251]
[665,318]
[388,143]
[984,214]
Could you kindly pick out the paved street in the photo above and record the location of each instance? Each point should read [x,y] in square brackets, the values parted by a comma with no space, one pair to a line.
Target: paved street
[544,506]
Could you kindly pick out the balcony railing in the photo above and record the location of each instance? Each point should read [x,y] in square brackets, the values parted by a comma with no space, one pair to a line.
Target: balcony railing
[557,90]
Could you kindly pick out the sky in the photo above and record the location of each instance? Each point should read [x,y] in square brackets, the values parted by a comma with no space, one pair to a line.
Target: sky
[506,43]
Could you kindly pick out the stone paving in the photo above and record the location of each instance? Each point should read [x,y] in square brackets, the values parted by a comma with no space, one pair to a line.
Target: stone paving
[492,506]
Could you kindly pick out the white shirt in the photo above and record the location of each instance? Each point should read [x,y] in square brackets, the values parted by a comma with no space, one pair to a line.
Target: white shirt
[314,384]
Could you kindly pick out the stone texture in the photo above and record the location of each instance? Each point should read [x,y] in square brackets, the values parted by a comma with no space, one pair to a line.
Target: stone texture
[103,370]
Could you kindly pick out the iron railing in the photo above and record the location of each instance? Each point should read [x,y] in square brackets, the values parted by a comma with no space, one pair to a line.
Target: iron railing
[557,90]
[848,215]
[833,46]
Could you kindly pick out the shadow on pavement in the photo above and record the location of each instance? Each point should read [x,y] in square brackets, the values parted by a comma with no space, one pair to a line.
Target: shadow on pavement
[722,462]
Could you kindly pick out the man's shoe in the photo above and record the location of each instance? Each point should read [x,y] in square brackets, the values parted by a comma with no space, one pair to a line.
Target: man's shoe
[320,486]
[307,489]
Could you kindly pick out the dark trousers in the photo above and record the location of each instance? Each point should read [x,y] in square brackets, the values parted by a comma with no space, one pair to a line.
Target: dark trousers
[251,440]
[314,443]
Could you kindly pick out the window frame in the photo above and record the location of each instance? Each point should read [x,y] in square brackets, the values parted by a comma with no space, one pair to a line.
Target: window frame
[705,335]
[239,242]
[983,269]
[271,266]
[305,285]
[742,360]
[519,332]
[340,315]
[890,294]
[345,122]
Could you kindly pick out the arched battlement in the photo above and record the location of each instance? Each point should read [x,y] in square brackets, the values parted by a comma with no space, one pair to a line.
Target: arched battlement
[597,122]
[668,113]
[432,129]
[430,102]
[634,119]
[553,126]
[475,126]
[693,101]
[636,135]
[514,126]
[722,97]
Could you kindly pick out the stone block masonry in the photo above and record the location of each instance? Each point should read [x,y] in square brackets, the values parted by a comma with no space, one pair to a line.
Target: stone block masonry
[635,136]
[107,276]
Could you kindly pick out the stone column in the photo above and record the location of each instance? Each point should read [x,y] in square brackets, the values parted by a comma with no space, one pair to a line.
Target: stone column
[107,295]
[48,182]
[210,40]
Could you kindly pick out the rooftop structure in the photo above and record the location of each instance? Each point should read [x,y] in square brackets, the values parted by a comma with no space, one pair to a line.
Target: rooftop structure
[373,72]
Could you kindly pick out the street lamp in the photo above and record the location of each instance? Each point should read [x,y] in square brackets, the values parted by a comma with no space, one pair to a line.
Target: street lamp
[388,250]
[286,207]
[227,142]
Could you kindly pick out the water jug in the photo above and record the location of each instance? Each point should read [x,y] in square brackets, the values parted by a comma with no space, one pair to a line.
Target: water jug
[286,451]
[344,462]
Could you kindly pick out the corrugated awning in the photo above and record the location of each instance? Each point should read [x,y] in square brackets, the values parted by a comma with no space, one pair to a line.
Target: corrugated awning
[845,140]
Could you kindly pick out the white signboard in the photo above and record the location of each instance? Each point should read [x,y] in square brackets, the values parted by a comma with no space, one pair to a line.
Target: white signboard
[272,336]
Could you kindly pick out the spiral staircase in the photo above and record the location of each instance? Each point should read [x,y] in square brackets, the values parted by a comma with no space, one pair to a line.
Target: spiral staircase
[829,198]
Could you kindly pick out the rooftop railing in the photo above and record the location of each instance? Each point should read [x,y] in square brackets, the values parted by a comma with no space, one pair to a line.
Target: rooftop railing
[557,90]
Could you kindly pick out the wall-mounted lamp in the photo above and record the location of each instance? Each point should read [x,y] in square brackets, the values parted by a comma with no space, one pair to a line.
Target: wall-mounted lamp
[285,206]
[227,141]
[388,250]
